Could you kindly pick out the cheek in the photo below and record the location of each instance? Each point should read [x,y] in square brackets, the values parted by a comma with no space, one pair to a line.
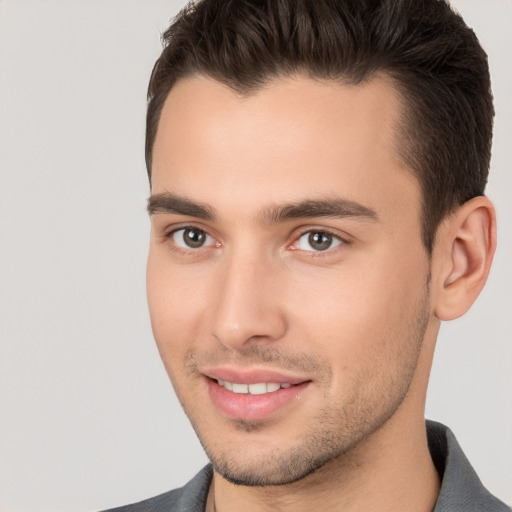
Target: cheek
[361,318]
[176,300]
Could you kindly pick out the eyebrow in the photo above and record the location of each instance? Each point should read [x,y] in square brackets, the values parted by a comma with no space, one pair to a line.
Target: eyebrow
[329,207]
[170,203]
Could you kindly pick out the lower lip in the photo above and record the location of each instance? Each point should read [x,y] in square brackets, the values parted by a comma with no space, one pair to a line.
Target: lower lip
[244,406]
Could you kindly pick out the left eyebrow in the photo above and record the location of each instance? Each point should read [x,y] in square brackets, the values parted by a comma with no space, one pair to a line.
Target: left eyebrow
[170,203]
[331,207]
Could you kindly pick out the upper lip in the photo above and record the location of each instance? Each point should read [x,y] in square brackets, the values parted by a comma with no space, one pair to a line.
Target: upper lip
[252,376]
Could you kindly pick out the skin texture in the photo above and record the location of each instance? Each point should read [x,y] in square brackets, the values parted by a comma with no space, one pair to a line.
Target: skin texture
[356,322]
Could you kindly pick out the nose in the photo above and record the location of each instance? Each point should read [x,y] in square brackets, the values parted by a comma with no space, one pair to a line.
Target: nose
[248,309]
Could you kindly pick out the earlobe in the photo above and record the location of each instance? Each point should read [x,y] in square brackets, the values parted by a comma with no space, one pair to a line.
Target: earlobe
[466,247]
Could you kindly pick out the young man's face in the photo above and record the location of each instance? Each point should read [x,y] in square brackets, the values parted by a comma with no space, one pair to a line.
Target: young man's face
[287,281]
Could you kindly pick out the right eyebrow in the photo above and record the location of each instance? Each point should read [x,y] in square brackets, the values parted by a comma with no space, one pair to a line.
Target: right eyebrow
[171,203]
[327,207]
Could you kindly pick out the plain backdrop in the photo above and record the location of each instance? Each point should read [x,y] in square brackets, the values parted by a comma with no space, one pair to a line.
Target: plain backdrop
[88,418]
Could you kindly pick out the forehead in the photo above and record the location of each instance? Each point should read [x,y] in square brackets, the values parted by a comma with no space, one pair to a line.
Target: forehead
[295,137]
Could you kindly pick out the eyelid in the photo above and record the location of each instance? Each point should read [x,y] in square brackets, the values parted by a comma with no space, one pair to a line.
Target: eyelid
[208,239]
[170,231]
[343,239]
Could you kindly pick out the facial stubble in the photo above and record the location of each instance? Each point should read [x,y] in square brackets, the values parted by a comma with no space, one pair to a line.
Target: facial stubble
[336,430]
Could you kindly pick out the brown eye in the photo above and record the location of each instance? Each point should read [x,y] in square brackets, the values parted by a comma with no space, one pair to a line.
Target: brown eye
[317,241]
[191,238]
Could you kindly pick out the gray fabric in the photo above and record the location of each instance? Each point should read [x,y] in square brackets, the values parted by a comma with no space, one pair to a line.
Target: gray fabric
[190,498]
[461,489]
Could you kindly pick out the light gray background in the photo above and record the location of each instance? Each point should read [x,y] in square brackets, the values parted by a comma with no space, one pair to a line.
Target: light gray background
[87,416]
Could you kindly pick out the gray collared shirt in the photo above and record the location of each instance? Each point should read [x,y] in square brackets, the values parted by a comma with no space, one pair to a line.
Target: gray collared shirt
[461,489]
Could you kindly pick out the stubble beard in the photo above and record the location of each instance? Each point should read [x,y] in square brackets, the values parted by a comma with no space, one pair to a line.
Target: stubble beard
[334,432]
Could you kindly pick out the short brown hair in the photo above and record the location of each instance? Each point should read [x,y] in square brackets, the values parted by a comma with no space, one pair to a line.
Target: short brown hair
[435,60]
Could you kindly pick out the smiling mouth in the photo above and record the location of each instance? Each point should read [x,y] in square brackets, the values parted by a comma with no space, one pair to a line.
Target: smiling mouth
[259,388]
[257,397]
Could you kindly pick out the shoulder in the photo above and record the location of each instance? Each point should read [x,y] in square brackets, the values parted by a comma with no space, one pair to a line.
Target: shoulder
[189,498]
[461,489]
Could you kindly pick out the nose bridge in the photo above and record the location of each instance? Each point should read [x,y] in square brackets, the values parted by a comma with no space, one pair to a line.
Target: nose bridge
[247,305]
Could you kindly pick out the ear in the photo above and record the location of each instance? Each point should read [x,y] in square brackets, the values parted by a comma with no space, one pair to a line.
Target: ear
[464,251]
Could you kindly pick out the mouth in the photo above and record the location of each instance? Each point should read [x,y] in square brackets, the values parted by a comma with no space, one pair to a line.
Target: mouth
[254,396]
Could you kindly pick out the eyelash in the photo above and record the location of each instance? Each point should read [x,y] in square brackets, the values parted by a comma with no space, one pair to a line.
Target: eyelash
[312,253]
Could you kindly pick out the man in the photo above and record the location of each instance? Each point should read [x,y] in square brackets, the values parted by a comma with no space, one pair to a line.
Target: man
[317,174]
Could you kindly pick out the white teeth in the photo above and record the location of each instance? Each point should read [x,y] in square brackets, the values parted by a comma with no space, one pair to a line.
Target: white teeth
[240,388]
[259,388]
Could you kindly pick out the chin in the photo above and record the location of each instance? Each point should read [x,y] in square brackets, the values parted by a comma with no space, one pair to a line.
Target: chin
[268,473]
[264,464]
